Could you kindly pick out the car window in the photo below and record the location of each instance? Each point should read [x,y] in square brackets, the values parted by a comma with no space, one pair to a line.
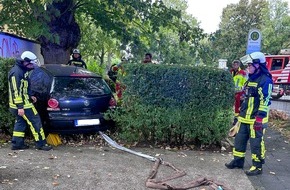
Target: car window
[78,86]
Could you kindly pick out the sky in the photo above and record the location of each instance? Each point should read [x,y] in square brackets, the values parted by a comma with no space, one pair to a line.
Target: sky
[209,12]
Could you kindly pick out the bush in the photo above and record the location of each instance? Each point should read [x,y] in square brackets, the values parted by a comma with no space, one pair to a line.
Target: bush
[6,119]
[96,68]
[175,104]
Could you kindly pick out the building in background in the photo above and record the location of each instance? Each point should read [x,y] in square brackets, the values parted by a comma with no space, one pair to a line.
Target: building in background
[12,46]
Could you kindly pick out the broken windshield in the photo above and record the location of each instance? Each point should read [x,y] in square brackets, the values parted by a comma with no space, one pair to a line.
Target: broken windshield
[80,86]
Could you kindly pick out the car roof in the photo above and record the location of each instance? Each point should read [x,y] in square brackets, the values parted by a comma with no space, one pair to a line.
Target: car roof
[67,70]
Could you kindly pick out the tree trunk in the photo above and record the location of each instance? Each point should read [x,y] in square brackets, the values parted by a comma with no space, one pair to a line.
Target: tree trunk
[109,60]
[102,57]
[55,55]
[65,33]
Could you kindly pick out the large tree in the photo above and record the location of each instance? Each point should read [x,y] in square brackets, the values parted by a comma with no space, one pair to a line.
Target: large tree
[237,19]
[53,23]
[276,27]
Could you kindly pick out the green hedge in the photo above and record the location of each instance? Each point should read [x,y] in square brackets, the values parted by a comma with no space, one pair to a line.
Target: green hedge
[6,119]
[175,104]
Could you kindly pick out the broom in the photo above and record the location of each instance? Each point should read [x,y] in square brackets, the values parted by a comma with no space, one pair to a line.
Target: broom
[53,139]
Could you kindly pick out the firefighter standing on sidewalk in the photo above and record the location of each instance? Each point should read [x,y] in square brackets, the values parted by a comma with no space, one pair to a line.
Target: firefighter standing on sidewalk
[239,77]
[253,115]
[21,104]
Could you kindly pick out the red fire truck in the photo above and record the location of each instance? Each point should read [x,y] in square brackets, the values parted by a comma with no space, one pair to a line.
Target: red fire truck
[279,66]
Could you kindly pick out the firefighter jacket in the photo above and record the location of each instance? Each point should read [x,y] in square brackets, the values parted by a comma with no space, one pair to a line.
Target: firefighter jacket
[239,77]
[78,62]
[19,87]
[258,91]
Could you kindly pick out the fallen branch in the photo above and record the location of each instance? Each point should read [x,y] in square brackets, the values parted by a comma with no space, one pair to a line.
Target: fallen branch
[161,184]
[153,183]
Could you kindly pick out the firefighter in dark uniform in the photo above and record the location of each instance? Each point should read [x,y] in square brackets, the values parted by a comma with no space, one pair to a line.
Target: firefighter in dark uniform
[253,116]
[21,104]
[77,59]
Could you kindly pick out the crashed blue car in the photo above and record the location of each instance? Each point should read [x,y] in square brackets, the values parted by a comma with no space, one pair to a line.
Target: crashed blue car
[71,100]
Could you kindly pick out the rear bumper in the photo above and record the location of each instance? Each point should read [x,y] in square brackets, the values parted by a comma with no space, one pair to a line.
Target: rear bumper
[80,130]
[66,125]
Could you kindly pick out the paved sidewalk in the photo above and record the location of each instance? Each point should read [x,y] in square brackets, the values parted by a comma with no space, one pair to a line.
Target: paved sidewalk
[95,167]
[276,170]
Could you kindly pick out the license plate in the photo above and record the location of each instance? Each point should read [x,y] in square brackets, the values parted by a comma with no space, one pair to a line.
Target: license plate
[87,122]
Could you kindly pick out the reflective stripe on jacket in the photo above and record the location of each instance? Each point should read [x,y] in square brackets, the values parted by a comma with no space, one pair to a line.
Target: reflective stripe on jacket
[77,62]
[257,99]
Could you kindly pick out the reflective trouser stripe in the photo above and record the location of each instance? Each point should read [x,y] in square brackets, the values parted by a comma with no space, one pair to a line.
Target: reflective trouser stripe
[252,131]
[18,134]
[34,111]
[35,134]
[263,148]
[255,158]
[257,146]
[238,154]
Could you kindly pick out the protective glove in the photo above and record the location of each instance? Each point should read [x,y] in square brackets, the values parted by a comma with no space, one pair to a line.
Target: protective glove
[258,124]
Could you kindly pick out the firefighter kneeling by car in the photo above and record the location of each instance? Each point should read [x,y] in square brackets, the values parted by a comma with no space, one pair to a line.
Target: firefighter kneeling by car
[253,115]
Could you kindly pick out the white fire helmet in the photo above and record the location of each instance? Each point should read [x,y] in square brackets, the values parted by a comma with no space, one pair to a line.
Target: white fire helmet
[30,57]
[258,58]
[76,51]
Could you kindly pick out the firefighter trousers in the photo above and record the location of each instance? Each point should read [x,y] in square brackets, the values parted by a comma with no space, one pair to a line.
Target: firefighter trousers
[31,119]
[257,145]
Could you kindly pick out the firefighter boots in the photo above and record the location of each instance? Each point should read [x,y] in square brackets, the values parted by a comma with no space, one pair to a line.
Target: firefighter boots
[235,164]
[21,147]
[44,147]
[254,171]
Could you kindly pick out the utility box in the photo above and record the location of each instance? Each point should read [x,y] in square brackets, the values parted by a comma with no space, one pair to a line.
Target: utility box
[222,63]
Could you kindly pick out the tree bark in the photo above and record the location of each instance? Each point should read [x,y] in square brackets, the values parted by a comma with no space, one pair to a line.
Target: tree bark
[65,33]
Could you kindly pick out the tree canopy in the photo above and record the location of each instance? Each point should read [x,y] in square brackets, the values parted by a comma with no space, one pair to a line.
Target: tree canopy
[53,22]
[270,17]
[102,28]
